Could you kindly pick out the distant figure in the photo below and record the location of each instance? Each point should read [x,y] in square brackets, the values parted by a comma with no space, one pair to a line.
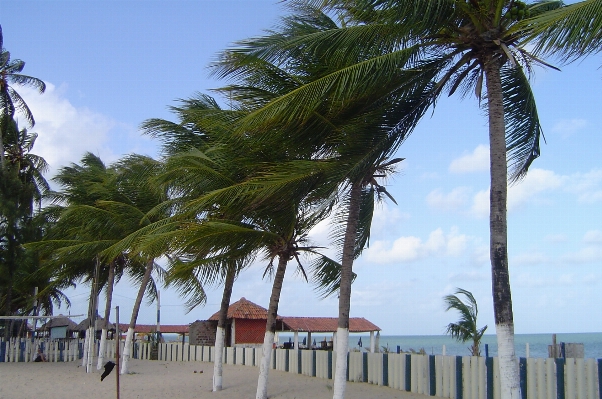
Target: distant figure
[108,368]
[40,356]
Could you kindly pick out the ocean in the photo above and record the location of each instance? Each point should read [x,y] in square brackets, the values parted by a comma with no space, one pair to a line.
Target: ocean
[433,344]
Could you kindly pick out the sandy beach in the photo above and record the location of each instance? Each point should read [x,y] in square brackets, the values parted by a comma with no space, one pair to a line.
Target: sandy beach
[173,380]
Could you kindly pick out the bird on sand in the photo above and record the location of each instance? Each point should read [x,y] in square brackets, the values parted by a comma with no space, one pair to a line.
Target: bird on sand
[108,368]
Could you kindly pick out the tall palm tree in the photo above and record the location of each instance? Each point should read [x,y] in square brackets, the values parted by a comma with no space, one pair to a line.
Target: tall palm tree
[142,198]
[466,328]
[198,162]
[22,187]
[461,45]
[10,100]
[358,134]
[103,206]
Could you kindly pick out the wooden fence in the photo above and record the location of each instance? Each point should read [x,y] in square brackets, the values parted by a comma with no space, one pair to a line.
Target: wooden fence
[455,377]
[61,350]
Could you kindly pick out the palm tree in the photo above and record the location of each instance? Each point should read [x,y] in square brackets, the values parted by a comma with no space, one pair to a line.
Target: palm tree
[358,135]
[466,328]
[198,163]
[104,206]
[461,45]
[10,100]
[70,257]
[568,32]
[22,188]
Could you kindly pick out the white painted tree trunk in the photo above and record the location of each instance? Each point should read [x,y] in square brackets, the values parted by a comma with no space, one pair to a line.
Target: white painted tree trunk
[220,337]
[509,373]
[127,350]
[264,365]
[85,349]
[103,350]
[340,373]
[91,348]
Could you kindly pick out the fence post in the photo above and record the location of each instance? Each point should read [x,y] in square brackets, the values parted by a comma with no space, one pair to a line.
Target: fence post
[459,387]
[432,376]
[408,377]
[348,356]
[299,362]
[286,359]
[330,365]
[313,361]
[560,378]
[489,379]
[385,369]
[365,367]
[522,367]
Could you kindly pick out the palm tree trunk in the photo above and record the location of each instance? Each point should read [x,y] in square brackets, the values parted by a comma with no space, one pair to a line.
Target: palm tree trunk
[103,336]
[340,376]
[127,350]
[220,334]
[270,329]
[498,252]
[86,348]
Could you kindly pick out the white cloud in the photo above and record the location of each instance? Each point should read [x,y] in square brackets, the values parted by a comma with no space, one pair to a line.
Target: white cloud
[451,201]
[469,276]
[587,186]
[584,255]
[480,256]
[410,248]
[64,131]
[530,258]
[480,204]
[556,238]
[568,127]
[386,217]
[593,237]
[536,182]
[478,161]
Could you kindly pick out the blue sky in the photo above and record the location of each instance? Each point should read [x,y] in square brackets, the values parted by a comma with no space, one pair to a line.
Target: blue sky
[110,65]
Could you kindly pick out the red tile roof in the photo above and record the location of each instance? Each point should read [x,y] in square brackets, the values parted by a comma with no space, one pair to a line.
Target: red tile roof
[148,328]
[244,309]
[327,324]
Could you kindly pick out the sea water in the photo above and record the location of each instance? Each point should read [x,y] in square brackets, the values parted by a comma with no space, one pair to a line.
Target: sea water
[433,344]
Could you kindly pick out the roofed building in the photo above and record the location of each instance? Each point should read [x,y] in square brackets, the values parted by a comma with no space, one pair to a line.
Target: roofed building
[246,322]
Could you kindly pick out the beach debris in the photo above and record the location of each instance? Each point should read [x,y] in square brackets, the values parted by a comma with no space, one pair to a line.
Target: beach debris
[108,368]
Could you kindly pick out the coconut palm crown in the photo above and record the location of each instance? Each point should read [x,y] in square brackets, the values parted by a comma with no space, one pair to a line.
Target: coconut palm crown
[465,329]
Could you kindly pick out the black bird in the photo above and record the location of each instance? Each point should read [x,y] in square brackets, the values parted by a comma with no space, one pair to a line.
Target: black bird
[108,368]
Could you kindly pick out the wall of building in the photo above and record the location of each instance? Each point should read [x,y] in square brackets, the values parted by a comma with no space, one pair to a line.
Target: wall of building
[249,331]
[202,332]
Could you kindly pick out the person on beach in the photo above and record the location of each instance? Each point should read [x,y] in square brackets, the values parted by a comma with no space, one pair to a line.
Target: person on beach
[41,357]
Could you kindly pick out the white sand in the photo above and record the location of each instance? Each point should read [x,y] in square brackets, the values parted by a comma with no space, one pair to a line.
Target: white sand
[172,380]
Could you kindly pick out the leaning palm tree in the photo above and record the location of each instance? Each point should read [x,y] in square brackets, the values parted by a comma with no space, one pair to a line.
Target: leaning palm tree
[135,173]
[466,45]
[10,100]
[466,328]
[199,161]
[357,134]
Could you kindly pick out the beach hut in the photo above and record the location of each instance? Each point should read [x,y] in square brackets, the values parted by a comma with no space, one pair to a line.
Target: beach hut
[245,325]
[60,327]
[85,325]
